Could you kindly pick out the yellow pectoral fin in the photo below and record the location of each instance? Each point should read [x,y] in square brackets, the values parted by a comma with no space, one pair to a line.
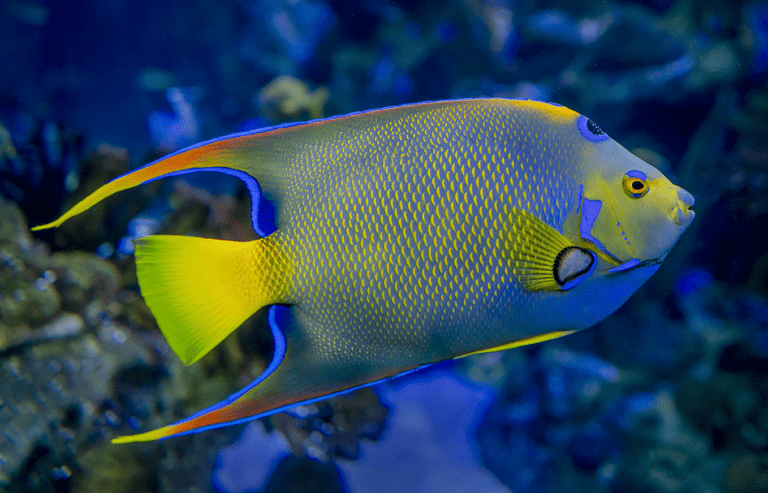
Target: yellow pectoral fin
[542,258]
[522,342]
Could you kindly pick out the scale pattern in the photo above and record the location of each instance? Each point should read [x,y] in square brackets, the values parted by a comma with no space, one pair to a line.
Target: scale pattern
[400,230]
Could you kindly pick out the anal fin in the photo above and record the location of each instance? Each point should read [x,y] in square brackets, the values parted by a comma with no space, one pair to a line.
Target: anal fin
[295,376]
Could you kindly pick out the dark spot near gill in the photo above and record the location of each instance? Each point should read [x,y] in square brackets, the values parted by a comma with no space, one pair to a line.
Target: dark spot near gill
[571,263]
[593,128]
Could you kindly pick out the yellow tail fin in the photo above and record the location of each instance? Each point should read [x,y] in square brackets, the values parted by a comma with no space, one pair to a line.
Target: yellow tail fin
[200,290]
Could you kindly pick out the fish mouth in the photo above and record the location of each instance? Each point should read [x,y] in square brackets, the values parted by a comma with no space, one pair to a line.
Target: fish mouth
[652,262]
[683,217]
[683,213]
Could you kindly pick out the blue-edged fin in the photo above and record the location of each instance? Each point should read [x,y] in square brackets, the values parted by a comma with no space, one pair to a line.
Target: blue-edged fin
[200,290]
[297,375]
[542,258]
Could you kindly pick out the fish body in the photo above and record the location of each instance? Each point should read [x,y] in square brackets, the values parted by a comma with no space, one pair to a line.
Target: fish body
[398,231]
[407,236]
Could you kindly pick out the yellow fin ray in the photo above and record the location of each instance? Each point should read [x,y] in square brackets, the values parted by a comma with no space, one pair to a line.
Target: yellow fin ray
[148,436]
[200,290]
[542,258]
[523,342]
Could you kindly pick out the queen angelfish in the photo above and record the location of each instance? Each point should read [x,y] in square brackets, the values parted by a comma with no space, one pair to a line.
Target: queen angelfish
[405,236]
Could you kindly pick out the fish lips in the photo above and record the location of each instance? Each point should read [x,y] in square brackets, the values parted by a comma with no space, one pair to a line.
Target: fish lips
[682,213]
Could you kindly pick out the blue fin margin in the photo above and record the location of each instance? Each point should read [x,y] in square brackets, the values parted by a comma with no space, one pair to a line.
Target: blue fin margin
[277,358]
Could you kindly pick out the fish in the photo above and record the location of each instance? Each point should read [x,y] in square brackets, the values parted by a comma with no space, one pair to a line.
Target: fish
[404,236]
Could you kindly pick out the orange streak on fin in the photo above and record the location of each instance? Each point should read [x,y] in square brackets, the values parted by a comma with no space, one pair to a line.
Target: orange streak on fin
[261,153]
[253,405]
[242,410]
[199,157]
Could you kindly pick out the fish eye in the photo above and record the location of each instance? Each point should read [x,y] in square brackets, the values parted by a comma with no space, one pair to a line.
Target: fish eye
[635,184]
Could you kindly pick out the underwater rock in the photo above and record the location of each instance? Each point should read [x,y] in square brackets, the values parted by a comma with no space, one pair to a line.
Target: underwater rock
[739,187]
[38,163]
[26,295]
[104,221]
[56,365]
[427,446]
[498,19]
[109,469]
[71,376]
[35,285]
[546,420]
[591,447]
[663,454]
[64,326]
[333,428]
[747,474]
[155,79]
[728,409]
[23,301]
[582,423]
[303,475]
[643,336]
[173,131]
[554,27]
[608,55]
[289,99]
[573,382]
[633,40]
[659,470]
[52,394]
[283,36]
[737,358]
[7,149]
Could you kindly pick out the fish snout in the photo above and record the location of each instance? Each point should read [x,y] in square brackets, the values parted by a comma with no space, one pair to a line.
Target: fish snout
[683,213]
